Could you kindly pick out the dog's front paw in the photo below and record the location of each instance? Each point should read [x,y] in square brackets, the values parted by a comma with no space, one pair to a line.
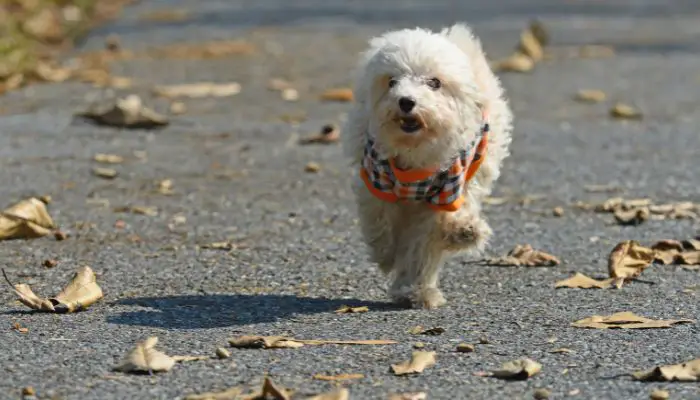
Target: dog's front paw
[466,234]
[429,299]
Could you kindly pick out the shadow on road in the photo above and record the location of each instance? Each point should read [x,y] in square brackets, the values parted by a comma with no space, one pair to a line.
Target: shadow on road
[218,311]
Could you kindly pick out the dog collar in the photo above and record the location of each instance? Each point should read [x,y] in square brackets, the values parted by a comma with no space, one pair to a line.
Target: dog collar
[441,188]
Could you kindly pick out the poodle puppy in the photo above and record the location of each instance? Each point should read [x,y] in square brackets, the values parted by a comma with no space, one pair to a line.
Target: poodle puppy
[426,135]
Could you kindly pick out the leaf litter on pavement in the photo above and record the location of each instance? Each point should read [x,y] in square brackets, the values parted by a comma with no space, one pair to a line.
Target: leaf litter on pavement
[128,112]
[626,320]
[282,342]
[528,52]
[81,293]
[420,360]
[28,219]
[688,371]
[525,255]
[516,370]
[144,358]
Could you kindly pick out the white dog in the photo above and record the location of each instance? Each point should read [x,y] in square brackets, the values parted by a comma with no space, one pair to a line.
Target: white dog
[427,134]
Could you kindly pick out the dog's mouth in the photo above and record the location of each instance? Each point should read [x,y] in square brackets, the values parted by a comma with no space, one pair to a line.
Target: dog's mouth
[410,124]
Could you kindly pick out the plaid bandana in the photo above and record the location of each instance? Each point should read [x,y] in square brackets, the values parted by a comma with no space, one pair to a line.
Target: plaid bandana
[441,188]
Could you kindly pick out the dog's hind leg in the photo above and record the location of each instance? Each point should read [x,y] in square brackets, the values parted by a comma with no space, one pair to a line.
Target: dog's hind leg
[376,224]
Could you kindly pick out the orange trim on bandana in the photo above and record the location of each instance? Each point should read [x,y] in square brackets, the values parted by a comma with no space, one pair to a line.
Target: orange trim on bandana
[386,196]
[410,175]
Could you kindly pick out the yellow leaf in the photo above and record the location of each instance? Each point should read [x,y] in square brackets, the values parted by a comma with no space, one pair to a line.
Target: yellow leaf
[525,255]
[626,320]
[625,111]
[517,62]
[518,369]
[688,371]
[81,292]
[341,377]
[198,90]
[590,95]
[582,281]
[337,94]
[351,310]
[628,259]
[338,394]
[28,219]
[145,358]
[420,360]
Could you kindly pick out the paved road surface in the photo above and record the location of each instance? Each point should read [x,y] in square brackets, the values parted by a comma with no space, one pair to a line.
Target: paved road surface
[238,176]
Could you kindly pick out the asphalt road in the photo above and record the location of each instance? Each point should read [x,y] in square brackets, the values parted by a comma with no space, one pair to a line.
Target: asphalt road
[239,175]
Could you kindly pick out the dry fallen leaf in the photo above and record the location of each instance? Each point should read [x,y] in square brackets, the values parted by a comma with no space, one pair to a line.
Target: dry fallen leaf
[419,330]
[139,210]
[525,255]
[625,111]
[408,396]
[279,342]
[517,62]
[518,369]
[27,219]
[659,394]
[312,167]
[228,394]
[628,259]
[581,281]
[177,108]
[541,394]
[222,353]
[279,84]
[341,377]
[145,358]
[51,73]
[329,134]
[269,391]
[81,293]
[351,310]
[290,94]
[12,82]
[626,320]
[165,15]
[420,360]
[198,90]
[128,112]
[465,348]
[590,95]
[105,173]
[108,158]
[19,328]
[218,246]
[632,217]
[338,394]
[688,371]
[182,359]
[49,263]
[337,94]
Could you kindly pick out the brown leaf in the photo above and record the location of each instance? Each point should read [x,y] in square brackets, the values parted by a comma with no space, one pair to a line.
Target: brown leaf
[198,90]
[228,394]
[222,353]
[19,328]
[108,158]
[105,173]
[561,350]
[290,94]
[465,348]
[659,394]
[27,219]
[632,217]
[329,134]
[50,73]
[517,62]
[434,331]
[338,394]
[558,211]
[312,167]
[408,396]
[278,342]
[420,360]
[688,371]
[145,358]
[177,108]
[81,293]
[625,111]
[351,310]
[530,45]
[581,281]
[182,359]
[337,94]
[590,95]
[128,112]
[688,258]
[625,320]
[218,246]
[12,82]
[140,210]
[341,377]
[518,370]
[525,255]
[691,244]
[628,259]
[49,263]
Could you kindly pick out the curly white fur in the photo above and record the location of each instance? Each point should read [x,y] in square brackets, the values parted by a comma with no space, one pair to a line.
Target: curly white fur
[409,241]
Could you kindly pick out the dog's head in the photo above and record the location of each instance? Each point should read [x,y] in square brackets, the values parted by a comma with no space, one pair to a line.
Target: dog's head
[419,91]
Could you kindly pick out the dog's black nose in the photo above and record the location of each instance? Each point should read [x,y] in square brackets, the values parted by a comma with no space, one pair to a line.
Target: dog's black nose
[406,104]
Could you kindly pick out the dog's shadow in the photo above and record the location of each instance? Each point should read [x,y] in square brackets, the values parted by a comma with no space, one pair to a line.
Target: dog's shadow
[218,311]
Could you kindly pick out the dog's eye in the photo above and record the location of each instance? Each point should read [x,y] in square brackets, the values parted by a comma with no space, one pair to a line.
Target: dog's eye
[434,83]
[393,82]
